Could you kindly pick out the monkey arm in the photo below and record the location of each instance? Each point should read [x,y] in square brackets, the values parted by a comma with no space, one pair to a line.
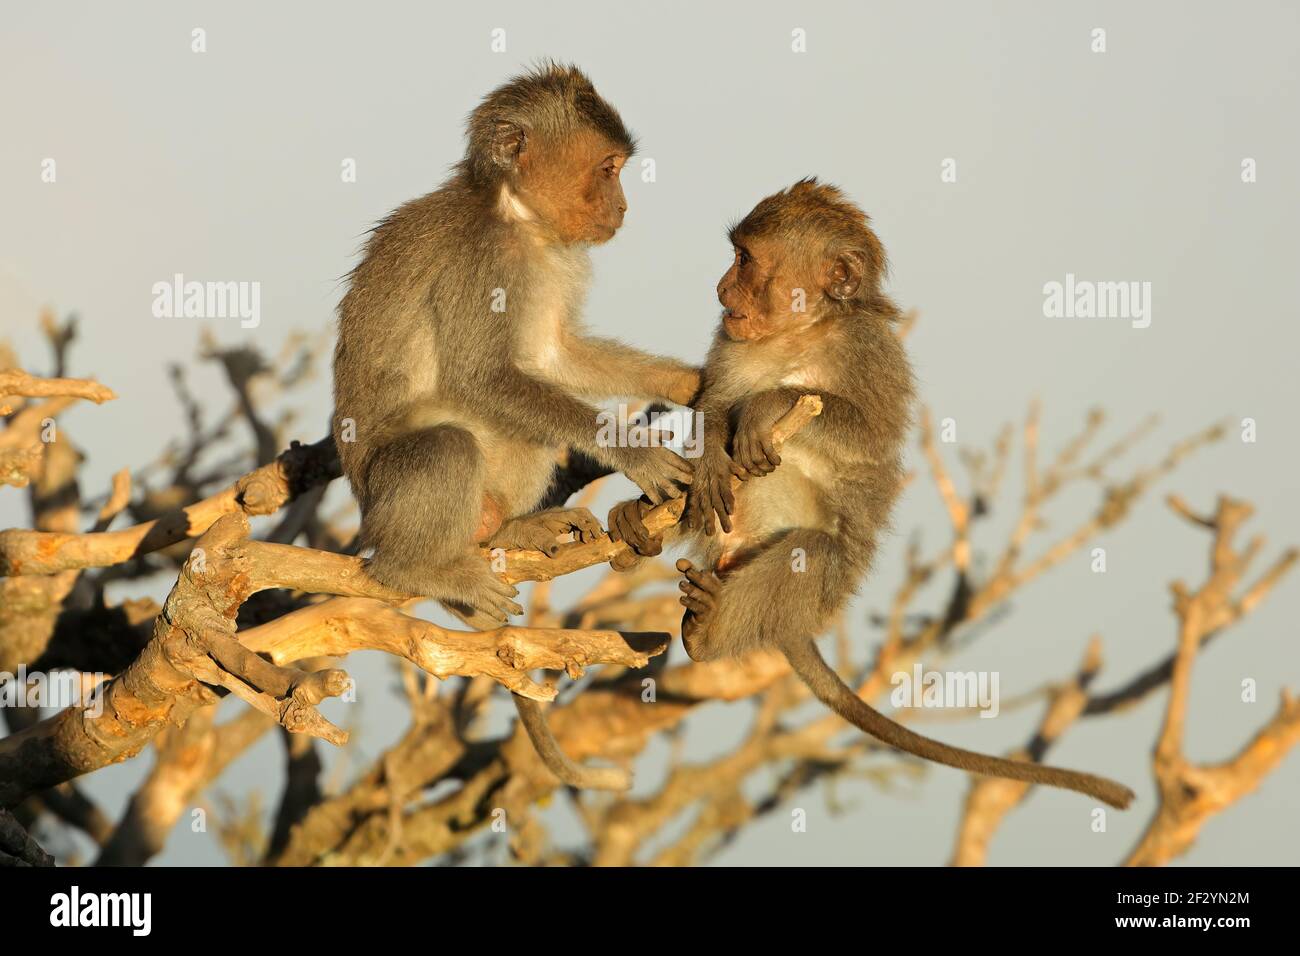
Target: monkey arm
[533,410]
[578,471]
[604,367]
[842,424]
[714,425]
[526,566]
[710,493]
[711,499]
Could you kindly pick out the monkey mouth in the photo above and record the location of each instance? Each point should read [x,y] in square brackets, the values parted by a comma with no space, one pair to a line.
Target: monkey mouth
[736,324]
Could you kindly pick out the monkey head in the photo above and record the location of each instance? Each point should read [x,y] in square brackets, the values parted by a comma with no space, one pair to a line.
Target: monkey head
[547,149]
[573,186]
[800,255]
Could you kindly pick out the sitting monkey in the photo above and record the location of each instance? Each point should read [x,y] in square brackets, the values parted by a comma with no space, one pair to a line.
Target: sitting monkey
[803,314]
[462,367]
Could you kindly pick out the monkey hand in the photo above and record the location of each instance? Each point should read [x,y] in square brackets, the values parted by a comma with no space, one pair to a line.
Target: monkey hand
[684,388]
[656,471]
[626,525]
[542,531]
[700,591]
[710,494]
[753,453]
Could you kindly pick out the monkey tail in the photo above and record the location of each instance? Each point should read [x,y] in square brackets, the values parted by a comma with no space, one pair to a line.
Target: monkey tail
[533,718]
[809,664]
[570,773]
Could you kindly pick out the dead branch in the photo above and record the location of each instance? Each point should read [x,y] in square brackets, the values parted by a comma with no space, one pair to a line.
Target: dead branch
[24,441]
[385,816]
[506,655]
[266,490]
[990,799]
[17,383]
[17,848]
[1191,793]
[261,492]
[194,647]
[189,757]
[536,566]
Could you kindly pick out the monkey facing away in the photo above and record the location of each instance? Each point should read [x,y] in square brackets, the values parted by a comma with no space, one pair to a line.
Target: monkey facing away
[461,369]
[804,314]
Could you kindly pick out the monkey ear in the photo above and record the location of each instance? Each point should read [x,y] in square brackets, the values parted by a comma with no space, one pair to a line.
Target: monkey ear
[509,140]
[845,276]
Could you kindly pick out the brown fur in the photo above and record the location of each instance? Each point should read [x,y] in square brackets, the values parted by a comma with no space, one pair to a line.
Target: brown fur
[821,503]
[459,411]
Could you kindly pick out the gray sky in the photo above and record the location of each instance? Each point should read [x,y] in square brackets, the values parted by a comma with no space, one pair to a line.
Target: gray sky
[1115,166]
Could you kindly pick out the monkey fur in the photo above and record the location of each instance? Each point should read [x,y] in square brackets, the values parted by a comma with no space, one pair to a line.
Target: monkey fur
[796,540]
[461,369]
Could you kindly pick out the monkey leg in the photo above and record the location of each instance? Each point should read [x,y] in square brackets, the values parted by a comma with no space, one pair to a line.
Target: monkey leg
[533,717]
[542,530]
[791,584]
[423,508]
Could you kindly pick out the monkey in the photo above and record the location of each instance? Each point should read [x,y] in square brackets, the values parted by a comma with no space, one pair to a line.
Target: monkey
[799,531]
[461,369]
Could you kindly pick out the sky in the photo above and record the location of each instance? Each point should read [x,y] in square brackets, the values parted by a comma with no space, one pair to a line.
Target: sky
[1170,159]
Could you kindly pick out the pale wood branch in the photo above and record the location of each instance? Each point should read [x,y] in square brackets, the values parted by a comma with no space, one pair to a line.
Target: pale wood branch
[1189,793]
[536,566]
[260,492]
[15,382]
[339,626]
[990,799]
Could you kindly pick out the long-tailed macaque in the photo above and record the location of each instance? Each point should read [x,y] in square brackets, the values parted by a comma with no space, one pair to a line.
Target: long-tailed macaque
[461,368]
[804,314]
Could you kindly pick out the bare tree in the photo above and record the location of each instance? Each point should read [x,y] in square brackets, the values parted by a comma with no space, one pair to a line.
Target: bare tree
[270,619]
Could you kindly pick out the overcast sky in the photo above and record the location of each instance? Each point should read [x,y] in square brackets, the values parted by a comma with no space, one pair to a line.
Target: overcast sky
[1116,166]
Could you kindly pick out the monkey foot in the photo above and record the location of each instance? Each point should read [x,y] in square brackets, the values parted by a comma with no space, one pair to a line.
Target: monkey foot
[543,530]
[700,592]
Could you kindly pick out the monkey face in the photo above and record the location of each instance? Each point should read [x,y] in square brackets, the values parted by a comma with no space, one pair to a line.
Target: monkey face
[576,190]
[801,254]
[762,292]
[603,200]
